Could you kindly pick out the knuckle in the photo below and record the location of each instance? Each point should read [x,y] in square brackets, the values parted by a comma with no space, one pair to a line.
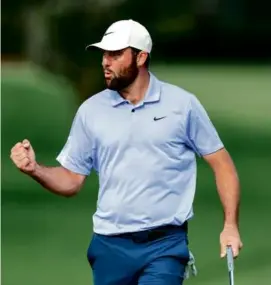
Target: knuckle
[21,151]
[17,145]
[17,154]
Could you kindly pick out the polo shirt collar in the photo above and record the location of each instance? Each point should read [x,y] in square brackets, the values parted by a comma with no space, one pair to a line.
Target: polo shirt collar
[152,94]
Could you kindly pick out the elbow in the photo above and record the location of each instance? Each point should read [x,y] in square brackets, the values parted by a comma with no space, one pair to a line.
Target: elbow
[73,184]
[69,193]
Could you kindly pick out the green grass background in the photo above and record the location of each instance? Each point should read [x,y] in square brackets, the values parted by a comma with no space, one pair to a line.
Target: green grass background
[45,237]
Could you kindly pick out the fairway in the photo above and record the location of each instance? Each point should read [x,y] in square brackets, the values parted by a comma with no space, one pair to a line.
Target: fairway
[45,237]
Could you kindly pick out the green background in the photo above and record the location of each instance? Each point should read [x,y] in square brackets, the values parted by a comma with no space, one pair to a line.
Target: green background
[45,237]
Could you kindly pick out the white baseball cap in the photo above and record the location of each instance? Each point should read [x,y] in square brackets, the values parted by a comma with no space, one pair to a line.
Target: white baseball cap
[123,34]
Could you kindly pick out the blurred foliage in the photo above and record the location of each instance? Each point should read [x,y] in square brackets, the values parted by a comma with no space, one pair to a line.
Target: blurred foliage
[45,237]
[54,33]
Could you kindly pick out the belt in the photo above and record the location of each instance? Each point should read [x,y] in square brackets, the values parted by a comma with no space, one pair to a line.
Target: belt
[155,233]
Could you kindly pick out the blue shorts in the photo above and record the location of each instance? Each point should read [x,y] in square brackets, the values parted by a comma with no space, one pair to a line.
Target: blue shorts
[156,257]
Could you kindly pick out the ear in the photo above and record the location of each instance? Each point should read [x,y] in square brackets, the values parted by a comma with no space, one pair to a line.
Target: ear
[141,58]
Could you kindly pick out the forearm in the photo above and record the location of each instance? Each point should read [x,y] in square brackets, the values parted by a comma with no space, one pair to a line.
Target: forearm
[229,192]
[57,180]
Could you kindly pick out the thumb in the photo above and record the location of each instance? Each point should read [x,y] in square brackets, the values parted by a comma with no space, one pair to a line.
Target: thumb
[26,143]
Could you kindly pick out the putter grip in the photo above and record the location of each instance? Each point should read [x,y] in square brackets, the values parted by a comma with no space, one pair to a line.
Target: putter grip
[230,258]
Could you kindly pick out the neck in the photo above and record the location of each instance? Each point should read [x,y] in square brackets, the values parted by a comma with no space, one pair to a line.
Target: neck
[136,91]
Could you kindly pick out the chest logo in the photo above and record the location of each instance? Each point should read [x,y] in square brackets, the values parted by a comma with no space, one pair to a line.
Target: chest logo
[158,118]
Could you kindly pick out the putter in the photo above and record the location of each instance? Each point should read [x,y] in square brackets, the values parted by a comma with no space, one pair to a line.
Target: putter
[230,263]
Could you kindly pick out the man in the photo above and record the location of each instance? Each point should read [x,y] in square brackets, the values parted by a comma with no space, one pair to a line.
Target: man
[141,135]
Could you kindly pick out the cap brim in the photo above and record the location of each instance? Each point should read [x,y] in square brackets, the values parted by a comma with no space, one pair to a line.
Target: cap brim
[102,46]
[92,46]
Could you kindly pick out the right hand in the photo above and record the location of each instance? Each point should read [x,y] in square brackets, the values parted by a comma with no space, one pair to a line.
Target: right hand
[23,156]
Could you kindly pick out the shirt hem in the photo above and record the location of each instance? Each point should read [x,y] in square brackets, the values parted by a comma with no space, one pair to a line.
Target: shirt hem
[123,231]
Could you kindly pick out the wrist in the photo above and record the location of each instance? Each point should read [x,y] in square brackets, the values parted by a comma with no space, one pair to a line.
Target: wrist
[230,225]
[34,172]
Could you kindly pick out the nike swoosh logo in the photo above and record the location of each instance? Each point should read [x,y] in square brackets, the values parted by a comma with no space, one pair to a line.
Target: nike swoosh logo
[108,33]
[157,119]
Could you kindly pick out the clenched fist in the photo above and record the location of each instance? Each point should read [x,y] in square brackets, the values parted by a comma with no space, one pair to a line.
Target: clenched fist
[23,156]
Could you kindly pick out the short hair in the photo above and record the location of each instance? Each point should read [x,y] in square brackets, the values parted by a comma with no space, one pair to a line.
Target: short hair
[137,51]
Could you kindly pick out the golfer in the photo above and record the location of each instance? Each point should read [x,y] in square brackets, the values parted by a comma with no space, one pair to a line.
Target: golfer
[141,135]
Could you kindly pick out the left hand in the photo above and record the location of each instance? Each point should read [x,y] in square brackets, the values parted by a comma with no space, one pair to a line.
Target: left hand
[230,237]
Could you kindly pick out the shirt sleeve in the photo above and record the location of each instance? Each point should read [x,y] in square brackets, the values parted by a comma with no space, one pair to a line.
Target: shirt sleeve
[201,134]
[76,154]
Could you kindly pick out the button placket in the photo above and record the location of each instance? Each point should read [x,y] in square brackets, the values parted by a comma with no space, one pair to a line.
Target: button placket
[135,112]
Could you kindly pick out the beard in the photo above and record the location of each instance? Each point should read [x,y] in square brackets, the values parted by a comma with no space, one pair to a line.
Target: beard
[124,78]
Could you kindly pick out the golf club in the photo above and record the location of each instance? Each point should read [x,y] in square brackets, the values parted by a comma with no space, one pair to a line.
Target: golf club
[230,263]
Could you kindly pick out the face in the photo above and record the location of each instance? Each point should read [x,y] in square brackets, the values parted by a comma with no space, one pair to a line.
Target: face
[120,68]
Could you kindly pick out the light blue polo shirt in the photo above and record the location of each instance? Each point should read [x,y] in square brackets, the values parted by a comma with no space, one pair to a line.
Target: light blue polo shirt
[145,155]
